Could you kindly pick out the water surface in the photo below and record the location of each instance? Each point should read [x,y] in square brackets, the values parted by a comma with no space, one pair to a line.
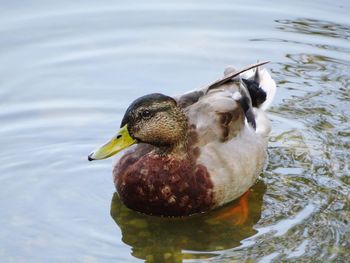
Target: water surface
[69,70]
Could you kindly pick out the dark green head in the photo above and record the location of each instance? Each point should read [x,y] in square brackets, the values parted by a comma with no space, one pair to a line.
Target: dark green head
[155,119]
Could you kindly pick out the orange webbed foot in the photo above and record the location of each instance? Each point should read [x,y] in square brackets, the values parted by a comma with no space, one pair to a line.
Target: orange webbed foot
[236,213]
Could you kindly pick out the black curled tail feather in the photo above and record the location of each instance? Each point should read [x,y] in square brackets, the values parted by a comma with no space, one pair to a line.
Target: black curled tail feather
[257,94]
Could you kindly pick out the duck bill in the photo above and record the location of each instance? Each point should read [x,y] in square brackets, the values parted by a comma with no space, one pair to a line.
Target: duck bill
[119,142]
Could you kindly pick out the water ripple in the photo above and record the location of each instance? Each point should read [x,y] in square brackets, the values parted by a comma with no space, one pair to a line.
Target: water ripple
[69,72]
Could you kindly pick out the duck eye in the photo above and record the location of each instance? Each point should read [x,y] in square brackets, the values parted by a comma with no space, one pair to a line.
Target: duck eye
[146,114]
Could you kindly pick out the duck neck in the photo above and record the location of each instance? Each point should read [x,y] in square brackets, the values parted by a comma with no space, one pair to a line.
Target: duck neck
[175,151]
[178,150]
[178,147]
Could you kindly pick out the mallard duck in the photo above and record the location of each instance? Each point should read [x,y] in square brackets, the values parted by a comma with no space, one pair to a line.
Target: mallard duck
[194,152]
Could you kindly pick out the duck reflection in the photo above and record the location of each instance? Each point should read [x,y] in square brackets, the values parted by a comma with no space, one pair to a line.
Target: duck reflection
[159,239]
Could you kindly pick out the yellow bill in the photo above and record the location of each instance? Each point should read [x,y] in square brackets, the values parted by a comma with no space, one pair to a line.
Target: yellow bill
[119,142]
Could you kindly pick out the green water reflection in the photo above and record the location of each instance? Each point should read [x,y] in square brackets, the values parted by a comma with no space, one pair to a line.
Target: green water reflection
[70,70]
[157,239]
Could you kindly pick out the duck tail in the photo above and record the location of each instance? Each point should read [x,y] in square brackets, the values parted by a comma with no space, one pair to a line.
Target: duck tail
[261,87]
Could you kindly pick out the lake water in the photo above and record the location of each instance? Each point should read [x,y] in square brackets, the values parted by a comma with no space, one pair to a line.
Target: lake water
[69,69]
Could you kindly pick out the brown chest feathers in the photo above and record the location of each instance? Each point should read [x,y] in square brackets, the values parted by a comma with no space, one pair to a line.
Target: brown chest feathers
[166,186]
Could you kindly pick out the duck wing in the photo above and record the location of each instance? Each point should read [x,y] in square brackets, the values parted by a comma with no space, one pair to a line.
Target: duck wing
[191,97]
[221,109]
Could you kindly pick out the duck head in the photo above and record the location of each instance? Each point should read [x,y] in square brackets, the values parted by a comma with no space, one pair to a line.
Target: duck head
[153,119]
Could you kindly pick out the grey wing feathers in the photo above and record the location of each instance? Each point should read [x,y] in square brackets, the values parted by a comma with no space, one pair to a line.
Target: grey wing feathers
[244,90]
[192,97]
